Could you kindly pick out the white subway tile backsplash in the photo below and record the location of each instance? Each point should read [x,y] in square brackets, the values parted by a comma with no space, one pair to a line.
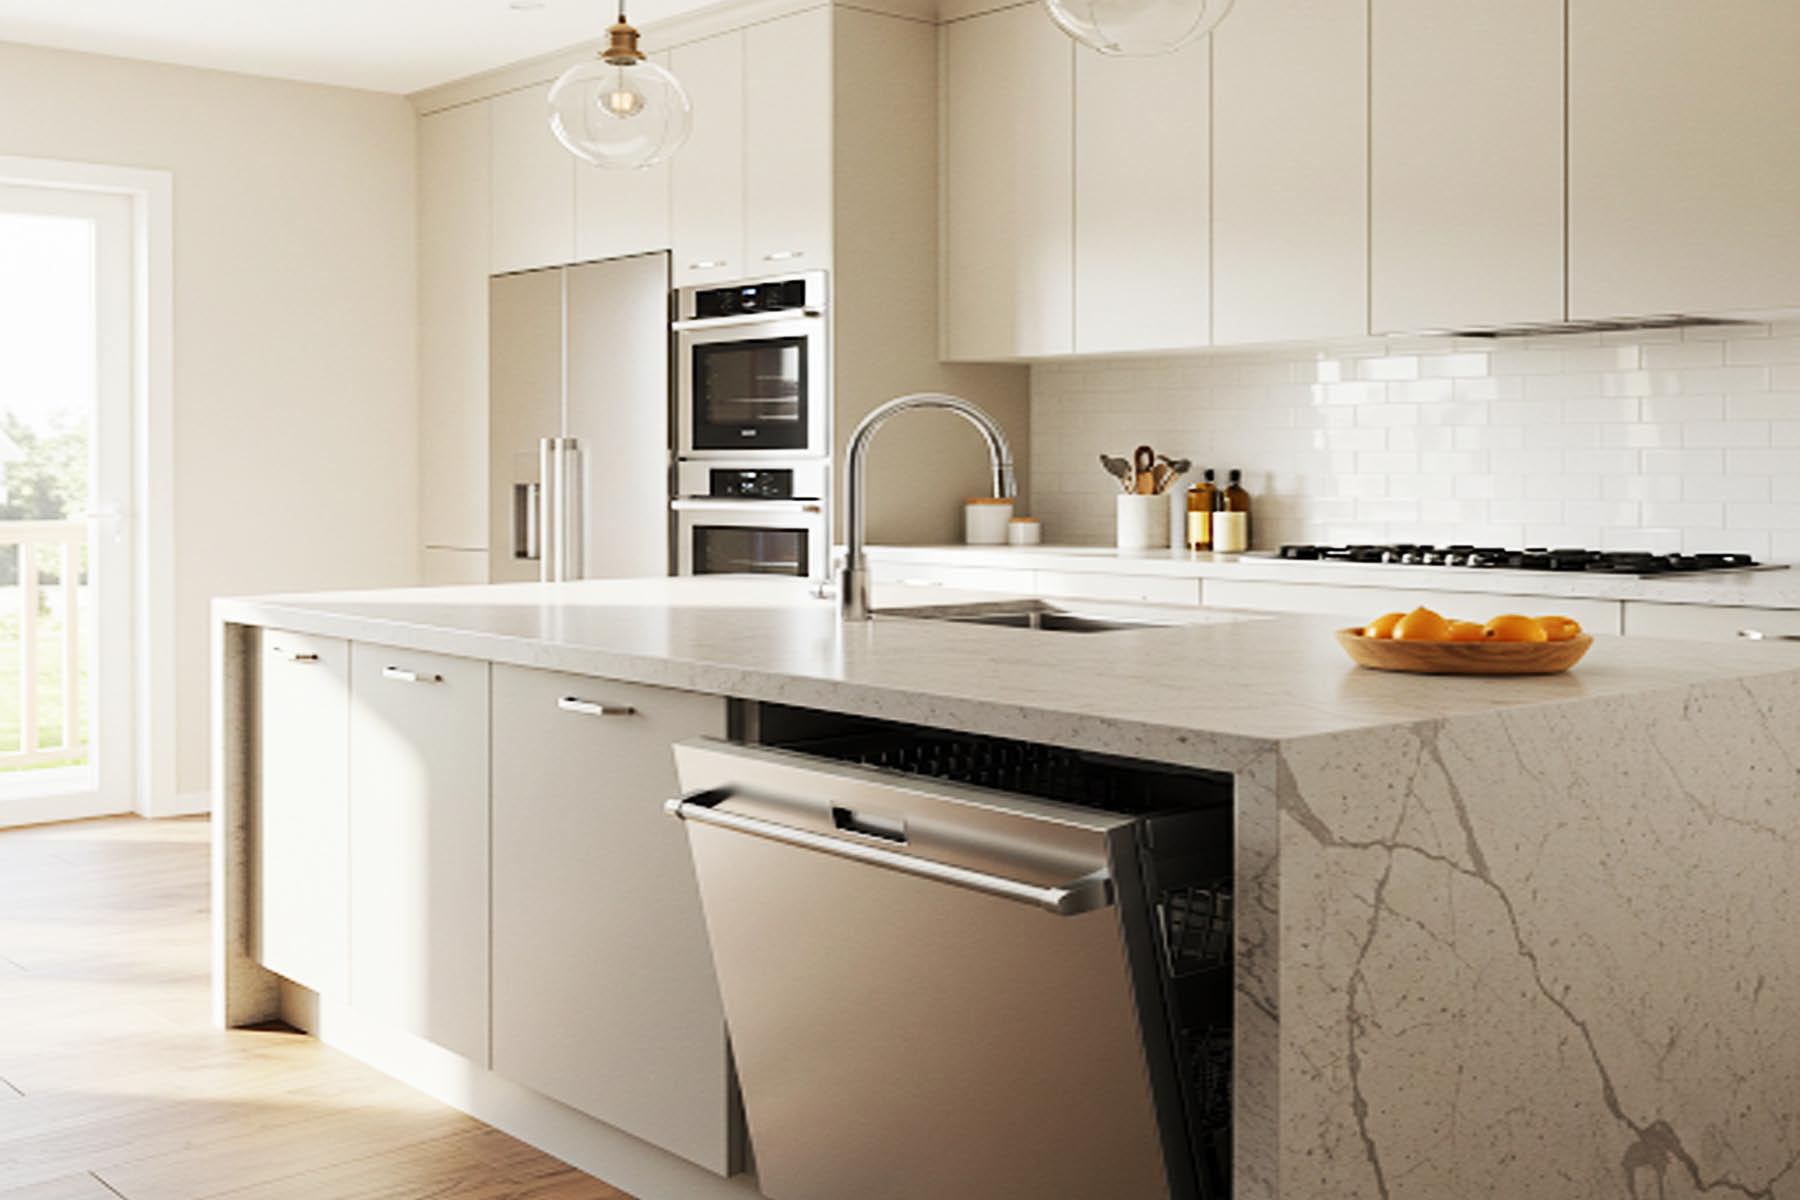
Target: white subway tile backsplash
[1662,440]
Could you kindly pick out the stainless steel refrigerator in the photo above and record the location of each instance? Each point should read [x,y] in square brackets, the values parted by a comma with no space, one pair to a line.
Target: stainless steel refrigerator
[578,421]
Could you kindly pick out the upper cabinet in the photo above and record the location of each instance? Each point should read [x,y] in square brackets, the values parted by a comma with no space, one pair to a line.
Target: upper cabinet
[753,185]
[1142,194]
[787,143]
[708,172]
[1466,162]
[618,213]
[533,182]
[1290,171]
[454,147]
[1684,167]
[1009,264]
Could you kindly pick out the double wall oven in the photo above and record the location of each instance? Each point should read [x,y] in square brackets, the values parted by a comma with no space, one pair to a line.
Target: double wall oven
[753,428]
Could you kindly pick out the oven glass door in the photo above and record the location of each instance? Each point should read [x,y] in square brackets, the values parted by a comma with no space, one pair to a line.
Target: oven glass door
[751,394]
[746,550]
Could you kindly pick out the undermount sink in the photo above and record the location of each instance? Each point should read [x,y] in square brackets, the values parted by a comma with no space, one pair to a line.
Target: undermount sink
[1026,614]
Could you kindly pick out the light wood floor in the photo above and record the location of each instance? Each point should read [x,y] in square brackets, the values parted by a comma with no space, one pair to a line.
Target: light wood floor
[114,1086]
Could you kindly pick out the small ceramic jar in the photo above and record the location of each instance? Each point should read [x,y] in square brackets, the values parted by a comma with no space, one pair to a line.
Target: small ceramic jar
[985,519]
[1024,531]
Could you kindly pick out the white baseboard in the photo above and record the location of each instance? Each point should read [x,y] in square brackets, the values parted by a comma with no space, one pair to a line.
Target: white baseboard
[605,1153]
[39,810]
[184,804]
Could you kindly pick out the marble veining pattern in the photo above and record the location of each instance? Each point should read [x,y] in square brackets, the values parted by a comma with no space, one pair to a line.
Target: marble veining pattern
[1546,952]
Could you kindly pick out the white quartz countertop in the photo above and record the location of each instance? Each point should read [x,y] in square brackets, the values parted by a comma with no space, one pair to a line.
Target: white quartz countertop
[1774,588]
[1208,691]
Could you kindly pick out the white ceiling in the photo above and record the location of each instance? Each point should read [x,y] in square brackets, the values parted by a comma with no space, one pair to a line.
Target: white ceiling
[386,45]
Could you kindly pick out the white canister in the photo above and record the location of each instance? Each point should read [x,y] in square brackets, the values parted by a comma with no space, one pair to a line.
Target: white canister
[1231,532]
[1143,522]
[1024,531]
[985,519]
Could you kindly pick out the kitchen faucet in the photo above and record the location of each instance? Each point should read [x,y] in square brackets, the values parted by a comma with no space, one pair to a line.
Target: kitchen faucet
[853,581]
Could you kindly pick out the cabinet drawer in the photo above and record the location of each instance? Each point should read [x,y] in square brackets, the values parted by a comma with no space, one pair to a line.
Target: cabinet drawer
[302,807]
[419,844]
[976,579]
[604,996]
[1083,585]
[1360,604]
[1706,622]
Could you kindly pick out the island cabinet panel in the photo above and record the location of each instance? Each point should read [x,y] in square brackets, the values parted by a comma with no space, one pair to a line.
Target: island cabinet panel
[1008,167]
[618,213]
[1466,163]
[419,845]
[1142,191]
[787,136]
[533,197]
[302,807]
[708,172]
[1290,171]
[604,995]
[1684,168]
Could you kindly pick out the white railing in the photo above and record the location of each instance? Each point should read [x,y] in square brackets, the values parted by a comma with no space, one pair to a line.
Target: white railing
[69,538]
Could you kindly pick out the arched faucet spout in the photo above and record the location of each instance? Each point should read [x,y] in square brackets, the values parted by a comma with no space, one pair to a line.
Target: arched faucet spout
[853,581]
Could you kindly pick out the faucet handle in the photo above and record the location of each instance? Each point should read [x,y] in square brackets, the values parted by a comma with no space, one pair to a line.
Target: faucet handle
[823,589]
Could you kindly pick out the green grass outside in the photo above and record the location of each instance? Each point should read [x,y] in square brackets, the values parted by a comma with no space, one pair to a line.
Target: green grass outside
[50,691]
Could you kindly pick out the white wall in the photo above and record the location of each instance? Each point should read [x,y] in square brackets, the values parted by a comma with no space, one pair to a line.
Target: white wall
[1674,440]
[295,418]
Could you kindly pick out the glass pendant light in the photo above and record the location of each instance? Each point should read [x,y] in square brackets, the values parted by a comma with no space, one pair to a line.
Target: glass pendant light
[621,110]
[1137,26]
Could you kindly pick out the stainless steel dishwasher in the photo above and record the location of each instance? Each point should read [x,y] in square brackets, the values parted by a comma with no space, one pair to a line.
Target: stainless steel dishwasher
[939,989]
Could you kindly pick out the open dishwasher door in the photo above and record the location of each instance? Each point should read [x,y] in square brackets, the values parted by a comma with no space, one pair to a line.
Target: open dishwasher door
[927,986]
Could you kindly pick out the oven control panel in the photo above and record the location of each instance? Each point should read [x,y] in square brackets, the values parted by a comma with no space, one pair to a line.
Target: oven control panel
[774,296]
[770,483]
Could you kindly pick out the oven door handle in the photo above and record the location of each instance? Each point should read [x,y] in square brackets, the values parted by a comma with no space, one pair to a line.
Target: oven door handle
[1085,894]
[755,318]
[723,504]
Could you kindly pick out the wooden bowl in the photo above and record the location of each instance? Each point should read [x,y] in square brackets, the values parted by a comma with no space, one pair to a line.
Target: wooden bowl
[1463,658]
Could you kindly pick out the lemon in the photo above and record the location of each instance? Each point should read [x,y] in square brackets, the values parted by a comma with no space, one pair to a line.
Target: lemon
[1560,629]
[1467,631]
[1422,625]
[1383,626]
[1511,627]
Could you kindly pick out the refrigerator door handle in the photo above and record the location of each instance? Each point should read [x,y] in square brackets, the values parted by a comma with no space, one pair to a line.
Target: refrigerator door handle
[548,536]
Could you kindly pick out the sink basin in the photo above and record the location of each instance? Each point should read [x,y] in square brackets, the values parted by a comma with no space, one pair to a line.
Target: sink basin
[1026,614]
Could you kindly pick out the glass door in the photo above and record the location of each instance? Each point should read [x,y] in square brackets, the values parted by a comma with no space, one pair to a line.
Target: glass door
[66,377]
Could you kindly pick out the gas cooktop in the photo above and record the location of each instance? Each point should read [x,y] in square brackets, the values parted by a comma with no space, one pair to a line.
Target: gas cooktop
[1535,558]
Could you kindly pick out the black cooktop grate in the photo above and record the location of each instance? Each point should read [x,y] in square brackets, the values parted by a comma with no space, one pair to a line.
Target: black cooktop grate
[1534,558]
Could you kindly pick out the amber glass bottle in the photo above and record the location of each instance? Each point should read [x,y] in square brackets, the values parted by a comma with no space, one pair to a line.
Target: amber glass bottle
[1202,499]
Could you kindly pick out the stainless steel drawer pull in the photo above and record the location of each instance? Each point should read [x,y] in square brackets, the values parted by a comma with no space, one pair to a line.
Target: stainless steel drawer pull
[402,675]
[593,708]
[297,656]
[706,264]
[1757,635]
[1086,894]
[783,255]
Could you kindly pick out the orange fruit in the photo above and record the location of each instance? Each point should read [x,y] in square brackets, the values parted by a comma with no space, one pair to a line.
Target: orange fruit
[1383,626]
[1514,628]
[1422,625]
[1467,631]
[1560,629]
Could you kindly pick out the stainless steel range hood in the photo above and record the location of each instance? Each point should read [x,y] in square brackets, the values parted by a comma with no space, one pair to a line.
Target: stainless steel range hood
[1610,325]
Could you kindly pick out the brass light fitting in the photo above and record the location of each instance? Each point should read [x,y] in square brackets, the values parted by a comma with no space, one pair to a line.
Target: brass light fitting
[621,44]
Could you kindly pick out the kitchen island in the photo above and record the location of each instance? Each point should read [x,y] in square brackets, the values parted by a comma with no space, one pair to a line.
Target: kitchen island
[1494,937]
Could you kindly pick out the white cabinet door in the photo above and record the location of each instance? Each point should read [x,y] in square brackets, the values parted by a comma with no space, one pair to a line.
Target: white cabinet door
[1707,622]
[708,172]
[1142,193]
[1684,164]
[1290,171]
[1466,170]
[621,212]
[1008,167]
[787,140]
[419,845]
[302,807]
[1360,604]
[453,291]
[533,185]
[604,995]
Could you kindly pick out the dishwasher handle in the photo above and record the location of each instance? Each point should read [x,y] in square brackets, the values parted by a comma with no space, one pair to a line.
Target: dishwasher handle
[1089,893]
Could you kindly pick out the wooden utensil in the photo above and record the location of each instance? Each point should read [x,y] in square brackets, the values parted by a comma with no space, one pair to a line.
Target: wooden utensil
[1161,476]
[1143,463]
[1177,467]
[1119,469]
[1463,658]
